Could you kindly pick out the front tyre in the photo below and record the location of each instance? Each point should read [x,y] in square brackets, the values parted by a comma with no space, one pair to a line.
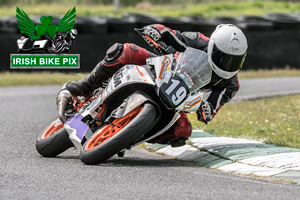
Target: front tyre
[54,140]
[120,134]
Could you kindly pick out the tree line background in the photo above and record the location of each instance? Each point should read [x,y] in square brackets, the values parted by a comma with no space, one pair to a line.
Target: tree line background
[122,2]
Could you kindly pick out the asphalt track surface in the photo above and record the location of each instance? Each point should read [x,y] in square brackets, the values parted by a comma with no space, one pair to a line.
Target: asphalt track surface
[24,174]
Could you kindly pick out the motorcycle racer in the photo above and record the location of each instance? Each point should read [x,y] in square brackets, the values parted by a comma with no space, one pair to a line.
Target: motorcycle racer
[226,48]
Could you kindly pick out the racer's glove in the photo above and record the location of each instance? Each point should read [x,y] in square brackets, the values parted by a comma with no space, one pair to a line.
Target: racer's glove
[63,98]
[204,113]
[151,32]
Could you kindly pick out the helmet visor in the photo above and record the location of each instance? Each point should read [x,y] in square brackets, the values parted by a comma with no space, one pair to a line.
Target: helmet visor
[227,62]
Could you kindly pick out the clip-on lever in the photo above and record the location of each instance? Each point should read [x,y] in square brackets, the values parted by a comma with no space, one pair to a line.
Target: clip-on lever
[161,47]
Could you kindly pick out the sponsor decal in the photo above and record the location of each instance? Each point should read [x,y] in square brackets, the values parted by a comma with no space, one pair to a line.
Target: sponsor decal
[234,46]
[186,78]
[213,66]
[134,47]
[167,77]
[233,94]
[58,122]
[190,35]
[141,73]
[190,104]
[117,78]
[165,67]
[103,94]
[128,77]
[129,66]
[45,45]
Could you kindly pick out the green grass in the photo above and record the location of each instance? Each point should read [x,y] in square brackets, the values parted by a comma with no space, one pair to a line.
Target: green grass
[44,78]
[50,78]
[271,120]
[262,73]
[206,9]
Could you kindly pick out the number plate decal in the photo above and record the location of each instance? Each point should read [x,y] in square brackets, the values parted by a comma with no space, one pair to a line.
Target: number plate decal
[174,92]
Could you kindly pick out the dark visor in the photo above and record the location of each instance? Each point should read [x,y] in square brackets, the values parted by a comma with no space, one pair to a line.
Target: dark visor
[227,62]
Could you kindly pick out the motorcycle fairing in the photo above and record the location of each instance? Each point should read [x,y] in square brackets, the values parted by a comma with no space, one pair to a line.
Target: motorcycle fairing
[78,131]
[192,102]
[163,68]
[129,74]
[174,92]
[136,99]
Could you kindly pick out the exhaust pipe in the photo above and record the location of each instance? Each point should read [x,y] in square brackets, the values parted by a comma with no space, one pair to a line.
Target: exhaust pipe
[61,106]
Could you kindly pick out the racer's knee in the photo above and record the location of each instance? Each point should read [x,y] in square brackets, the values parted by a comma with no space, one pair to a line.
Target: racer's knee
[113,54]
[177,134]
[183,128]
[122,54]
[133,54]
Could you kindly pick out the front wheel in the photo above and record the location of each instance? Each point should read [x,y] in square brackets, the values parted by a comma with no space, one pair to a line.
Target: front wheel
[54,140]
[118,135]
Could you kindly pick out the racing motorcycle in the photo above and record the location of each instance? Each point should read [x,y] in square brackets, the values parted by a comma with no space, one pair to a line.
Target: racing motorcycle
[138,104]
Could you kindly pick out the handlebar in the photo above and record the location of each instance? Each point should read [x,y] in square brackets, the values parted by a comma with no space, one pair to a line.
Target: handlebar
[161,47]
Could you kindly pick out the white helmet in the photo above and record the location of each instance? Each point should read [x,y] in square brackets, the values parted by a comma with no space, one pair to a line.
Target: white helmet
[227,49]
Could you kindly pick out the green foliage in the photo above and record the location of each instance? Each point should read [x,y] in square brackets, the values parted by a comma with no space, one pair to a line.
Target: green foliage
[173,8]
[95,2]
[268,73]
[271,120]
[37,78]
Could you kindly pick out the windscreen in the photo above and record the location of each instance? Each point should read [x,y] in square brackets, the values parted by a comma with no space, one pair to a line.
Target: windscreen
[193,68]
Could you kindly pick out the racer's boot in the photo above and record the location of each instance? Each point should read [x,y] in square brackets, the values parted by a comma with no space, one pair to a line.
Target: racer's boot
[177,134]
[116,57]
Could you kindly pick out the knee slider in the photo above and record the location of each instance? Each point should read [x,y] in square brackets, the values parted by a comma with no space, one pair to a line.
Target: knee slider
[113,53]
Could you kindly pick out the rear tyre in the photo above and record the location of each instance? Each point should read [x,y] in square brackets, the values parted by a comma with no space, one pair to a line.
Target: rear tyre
[113,138]
[54,140]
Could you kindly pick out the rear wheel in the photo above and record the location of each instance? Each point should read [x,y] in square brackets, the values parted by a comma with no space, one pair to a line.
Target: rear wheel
[54,140]
[120,134]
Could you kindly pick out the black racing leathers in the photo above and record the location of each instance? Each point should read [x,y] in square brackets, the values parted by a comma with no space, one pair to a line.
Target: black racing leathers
[222,90]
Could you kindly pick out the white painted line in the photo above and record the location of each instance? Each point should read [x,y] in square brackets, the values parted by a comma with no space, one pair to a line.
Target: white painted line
[287,161]
[178,151]
[213,141]
[193,154]
[247,169]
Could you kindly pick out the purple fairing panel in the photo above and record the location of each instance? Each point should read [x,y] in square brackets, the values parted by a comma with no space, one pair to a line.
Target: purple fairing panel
[80,127]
